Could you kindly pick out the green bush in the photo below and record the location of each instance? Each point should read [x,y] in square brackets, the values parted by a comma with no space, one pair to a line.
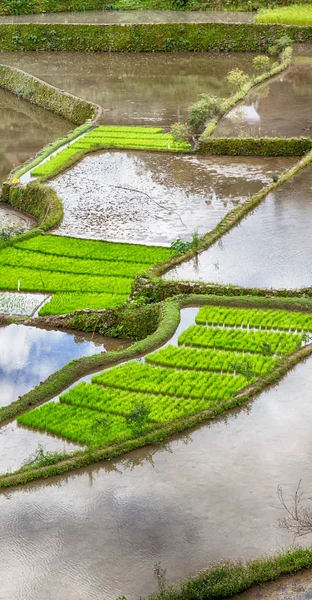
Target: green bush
[203,110]
[261,63]
[237,78]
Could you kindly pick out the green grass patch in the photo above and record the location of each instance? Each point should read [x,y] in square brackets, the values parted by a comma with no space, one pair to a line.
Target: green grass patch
[266,319]
[82,273]
[271,342]
[137,138]
[297,14]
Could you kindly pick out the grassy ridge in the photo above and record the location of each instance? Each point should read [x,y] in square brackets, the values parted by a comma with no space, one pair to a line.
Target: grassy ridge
[298,14]
[138,138]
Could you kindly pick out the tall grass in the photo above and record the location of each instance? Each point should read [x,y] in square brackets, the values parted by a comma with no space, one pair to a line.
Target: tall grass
[297,14]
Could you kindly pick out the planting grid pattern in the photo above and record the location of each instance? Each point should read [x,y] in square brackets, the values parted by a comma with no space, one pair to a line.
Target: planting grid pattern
[81,273]
[135,138]
[207,368]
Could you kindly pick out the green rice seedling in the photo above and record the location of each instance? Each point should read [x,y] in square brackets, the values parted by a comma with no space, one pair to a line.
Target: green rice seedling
[210,359]
[297,14]
[162,409]
[35,260]
[78,424]
[64,303]
[239,339]
[139,377]
[96,250]
[257,318]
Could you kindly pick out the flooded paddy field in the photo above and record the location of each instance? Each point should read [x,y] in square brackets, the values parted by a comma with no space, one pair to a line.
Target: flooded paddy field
[132,16]
[24,130]
[28,355]
[153,198]
[280,107]
[295,587]
[270,248]
[16,303]
[135,88]
[202,497]
[14,221]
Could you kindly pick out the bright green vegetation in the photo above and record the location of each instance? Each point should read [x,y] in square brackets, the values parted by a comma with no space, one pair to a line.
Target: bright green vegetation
[127,401]
[266,319]
[83,274]
[212,359]
[121,402]
[64,303]
[139,377]
[78,424]
[266,342]
[297,14]
[137,138]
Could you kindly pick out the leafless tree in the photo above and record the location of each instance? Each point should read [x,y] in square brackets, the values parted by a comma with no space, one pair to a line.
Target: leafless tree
[299,512]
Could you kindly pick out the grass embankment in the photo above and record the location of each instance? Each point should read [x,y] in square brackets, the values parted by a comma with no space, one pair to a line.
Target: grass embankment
[131,400]
[136,138]
[81,273]
[298,14]
[227,580]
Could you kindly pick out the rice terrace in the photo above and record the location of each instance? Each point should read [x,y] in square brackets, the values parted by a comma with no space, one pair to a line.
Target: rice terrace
[155,299]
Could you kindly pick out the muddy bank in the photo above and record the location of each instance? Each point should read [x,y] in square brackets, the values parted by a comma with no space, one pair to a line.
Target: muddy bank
[13,221]
[270,248]
[152,198]
[133,88]
[296,587]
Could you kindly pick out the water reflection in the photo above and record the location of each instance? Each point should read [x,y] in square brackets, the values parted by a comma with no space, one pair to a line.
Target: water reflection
[16,303]
[24,130]
[153,198]
[12,221]
[28,355]
[201,498]
[281,107]
[270,248]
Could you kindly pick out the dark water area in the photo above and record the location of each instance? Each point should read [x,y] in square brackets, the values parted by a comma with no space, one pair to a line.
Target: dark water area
[155,198]
[202,497]
[270,248]
[99,17]
[135,88]
[28,355]
[281,107]
[24,130]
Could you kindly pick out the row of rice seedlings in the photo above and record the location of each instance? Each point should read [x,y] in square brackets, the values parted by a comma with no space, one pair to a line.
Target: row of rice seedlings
[96,250]
[35,260]
[62,304]
[214,360]
[254,317]
[260,342]
[162,409]
[158,380]
[78,424]
[47,281]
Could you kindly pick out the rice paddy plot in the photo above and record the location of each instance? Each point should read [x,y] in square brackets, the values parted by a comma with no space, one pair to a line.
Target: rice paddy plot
[80,273]
[258,318]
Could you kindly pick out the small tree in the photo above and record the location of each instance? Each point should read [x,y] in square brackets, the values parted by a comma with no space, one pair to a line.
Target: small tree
[261,63]
[203,110]
[236,78]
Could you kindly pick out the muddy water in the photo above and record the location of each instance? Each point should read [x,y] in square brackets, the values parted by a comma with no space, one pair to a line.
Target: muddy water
[270,248]
[13,221]
[15,303]
[295,587]
[202,497]
[153,198]
[29,355]
[24,130]
[133,16]
[134,88]
[280,107]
